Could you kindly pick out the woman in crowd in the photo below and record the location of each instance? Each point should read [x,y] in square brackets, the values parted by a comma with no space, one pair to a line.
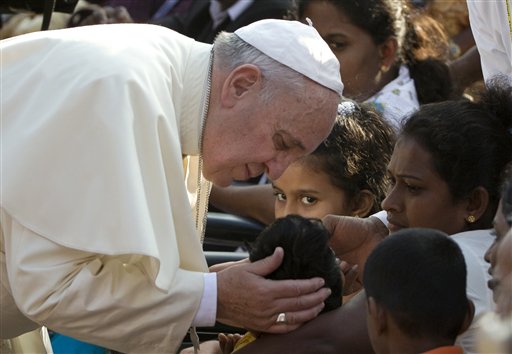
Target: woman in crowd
[389,55]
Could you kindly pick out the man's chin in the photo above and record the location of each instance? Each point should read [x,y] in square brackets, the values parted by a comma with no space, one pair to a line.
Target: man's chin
[221,184]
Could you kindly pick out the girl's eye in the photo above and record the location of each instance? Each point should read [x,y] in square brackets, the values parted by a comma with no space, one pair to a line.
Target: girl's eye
[280,196]
[336,45]
[308,200]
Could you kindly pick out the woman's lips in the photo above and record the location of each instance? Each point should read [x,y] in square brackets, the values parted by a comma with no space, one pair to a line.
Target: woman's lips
[393,227]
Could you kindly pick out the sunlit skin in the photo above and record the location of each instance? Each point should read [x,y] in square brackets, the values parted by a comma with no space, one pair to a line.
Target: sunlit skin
[418,196]
[245,137]
[499,246]
[303,191]
[503,275]
[359,56]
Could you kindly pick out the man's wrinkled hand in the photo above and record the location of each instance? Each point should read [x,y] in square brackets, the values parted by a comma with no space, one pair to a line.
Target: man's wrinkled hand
[246,299]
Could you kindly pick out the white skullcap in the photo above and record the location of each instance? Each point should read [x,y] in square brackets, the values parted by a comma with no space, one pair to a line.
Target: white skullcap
[298,46]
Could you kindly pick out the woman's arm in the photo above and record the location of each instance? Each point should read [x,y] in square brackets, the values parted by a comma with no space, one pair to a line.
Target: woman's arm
[339,331]
[255,202]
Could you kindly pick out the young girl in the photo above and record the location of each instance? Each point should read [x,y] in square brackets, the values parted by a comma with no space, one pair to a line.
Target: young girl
[345,175]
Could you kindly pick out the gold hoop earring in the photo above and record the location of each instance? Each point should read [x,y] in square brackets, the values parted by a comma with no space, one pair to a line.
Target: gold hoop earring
[471,219]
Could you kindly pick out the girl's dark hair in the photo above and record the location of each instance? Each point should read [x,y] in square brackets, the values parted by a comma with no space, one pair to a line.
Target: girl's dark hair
[470,142]
[357,151]
[422,43]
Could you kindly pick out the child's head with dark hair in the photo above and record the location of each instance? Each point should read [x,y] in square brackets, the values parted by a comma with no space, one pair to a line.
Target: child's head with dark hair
[415,283]
[346,174]
[306,253]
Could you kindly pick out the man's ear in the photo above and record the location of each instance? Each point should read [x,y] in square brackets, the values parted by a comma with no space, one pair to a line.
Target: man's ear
[240,81]
[470,314]
[378,316]
[387,53]
[362,203]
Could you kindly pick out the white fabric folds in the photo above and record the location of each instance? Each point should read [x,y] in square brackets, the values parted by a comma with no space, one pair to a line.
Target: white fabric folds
[92,120]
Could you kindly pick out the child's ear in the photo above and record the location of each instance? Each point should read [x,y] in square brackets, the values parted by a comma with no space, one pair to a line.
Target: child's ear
[378,315]
[387,53]
[362,203]
[470,314]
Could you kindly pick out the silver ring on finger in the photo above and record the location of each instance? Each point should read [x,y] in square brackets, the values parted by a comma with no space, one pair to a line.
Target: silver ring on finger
[281,318]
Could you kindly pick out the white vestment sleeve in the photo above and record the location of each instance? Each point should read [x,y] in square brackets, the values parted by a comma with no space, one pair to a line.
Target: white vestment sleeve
[104,300]
[207,312]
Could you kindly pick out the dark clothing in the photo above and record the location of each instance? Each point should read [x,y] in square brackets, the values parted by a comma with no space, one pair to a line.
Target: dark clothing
[198,23]
[143,11]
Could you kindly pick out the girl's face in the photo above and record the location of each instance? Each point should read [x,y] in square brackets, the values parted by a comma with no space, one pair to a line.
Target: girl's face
[418,196]
[303,191]
[359,57]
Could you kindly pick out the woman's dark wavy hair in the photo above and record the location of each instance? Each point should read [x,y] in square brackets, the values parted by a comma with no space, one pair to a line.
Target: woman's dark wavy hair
[422,42]
[356,153]
[306,253]
[470,142]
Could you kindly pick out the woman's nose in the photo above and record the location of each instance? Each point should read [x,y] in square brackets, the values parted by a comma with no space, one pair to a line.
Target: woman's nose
[389,203]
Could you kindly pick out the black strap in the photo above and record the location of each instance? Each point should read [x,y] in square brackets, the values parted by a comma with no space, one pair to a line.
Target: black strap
[49,6]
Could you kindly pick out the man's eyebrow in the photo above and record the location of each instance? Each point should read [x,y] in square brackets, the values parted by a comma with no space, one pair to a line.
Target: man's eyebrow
[291,140]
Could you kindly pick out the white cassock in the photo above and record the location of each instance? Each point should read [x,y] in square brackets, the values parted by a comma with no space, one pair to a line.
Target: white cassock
[99,241]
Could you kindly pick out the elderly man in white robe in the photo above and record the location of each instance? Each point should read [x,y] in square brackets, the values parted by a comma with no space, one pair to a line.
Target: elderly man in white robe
[110,137]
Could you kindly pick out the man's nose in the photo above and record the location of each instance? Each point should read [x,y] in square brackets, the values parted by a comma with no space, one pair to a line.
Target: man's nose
[275,168]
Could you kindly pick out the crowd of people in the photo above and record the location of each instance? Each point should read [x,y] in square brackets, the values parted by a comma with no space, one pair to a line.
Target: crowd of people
[379,137]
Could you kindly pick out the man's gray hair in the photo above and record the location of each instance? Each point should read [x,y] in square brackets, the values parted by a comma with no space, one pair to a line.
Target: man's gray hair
[231,51]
